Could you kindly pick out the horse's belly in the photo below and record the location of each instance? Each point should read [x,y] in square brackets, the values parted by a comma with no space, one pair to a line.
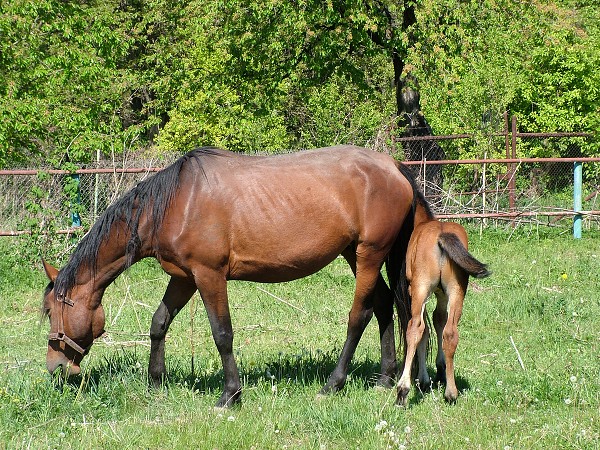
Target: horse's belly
[289,261]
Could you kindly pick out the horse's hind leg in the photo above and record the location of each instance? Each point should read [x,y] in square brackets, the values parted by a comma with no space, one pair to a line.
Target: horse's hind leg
[384,313]
[422,375]
[383,307]
[213,289]
[456,296]
[178,293]
[414,335]
[367,274]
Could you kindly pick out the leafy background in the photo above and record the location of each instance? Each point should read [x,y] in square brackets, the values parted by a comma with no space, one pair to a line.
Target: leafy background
[168,75]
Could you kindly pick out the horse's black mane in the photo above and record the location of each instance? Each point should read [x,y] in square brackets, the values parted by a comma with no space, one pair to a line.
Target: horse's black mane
[154,194]
[397,256]
[419,197]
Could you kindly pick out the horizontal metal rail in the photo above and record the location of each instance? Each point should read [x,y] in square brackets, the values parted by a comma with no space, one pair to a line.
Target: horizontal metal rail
[408,163]
[502,161]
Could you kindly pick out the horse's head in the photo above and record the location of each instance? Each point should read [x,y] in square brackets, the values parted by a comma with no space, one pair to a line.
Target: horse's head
[76,319]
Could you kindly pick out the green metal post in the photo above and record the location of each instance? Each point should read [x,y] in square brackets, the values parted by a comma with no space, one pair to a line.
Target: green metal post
[577,185]
[75,218]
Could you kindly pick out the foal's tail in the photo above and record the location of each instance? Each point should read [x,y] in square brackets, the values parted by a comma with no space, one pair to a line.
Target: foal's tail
[457,252]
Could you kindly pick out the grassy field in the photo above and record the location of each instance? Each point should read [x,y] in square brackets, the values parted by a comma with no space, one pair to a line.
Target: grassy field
[543,294]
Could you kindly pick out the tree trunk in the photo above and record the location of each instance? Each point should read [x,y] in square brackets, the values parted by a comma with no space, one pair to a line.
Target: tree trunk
[411,119]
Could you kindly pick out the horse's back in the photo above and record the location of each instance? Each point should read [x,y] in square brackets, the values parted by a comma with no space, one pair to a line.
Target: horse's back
[283,217]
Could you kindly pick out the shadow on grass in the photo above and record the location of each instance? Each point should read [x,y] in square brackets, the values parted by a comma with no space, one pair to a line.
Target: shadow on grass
[461,383]
[304,368]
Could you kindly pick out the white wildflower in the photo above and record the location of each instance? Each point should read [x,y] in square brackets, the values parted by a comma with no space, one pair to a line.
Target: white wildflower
[381,425]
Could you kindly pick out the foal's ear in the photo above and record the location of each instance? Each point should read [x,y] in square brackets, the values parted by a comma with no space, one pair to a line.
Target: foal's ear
[51,271]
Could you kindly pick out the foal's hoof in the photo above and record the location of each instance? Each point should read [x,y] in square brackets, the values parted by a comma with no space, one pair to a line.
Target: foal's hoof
[402,397]
[451,397]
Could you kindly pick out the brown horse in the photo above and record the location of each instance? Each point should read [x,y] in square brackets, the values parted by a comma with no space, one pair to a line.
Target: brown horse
[437,261]
[214,216]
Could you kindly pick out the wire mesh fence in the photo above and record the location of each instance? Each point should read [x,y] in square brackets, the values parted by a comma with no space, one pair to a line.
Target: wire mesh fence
[488,187]
[499,184]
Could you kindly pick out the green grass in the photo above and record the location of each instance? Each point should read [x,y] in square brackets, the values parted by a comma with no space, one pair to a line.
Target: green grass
[543,293]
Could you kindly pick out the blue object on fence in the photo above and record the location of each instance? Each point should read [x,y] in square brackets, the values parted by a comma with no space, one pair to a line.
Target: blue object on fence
[577,183]
[75,218]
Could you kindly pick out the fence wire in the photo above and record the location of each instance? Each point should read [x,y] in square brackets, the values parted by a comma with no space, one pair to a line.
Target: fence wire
[496,192]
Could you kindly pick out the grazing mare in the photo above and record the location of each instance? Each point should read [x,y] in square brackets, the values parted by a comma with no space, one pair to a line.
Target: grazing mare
[437,261]
[214,216]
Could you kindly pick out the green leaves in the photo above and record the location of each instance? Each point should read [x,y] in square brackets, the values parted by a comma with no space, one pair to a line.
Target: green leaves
[59,83]
[250,75]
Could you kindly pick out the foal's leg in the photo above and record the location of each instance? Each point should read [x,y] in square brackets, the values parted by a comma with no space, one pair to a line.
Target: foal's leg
[414,335]
[367,273]
[456,295]
[213,289]
[383,307]
[440,317]
[178,293]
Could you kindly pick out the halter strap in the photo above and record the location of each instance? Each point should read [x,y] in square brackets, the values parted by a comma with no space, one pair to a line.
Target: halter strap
[60,332]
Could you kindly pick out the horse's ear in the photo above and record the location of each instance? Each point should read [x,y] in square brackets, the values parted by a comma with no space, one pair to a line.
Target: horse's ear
[51,271]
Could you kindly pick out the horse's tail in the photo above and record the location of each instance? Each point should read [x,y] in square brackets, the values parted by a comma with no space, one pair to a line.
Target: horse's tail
[395,267]
[451,244]
[395,264]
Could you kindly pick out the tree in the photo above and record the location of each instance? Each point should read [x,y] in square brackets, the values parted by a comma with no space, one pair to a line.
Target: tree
[534,60]
[60,86]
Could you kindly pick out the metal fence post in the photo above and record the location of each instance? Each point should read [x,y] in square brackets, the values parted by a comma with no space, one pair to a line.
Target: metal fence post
[75,218]
[577,183]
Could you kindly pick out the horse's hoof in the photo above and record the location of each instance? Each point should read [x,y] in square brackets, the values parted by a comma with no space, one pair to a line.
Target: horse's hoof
[157,381]
[424,386]
[439,380]
[228,401]
[320,397]
[384,383]
[328,390]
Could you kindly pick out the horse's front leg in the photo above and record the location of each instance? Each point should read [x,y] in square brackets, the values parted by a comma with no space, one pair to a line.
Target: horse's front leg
[178,293]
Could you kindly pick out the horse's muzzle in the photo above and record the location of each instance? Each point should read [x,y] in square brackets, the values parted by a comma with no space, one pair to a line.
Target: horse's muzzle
[57,359]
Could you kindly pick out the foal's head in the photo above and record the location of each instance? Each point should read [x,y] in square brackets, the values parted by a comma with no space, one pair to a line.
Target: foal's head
[76,319]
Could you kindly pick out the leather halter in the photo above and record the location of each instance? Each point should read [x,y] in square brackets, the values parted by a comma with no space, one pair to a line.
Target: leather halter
[60,332]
